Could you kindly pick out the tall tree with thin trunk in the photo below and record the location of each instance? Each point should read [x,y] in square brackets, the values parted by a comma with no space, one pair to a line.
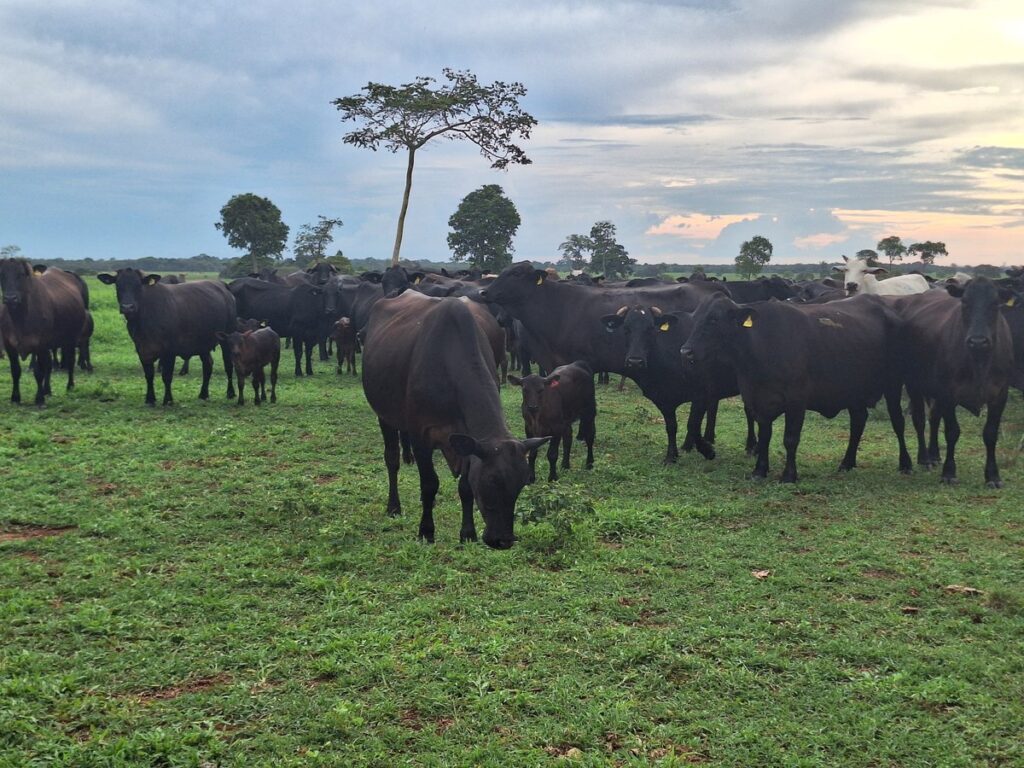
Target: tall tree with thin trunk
[893,248]
[408,116]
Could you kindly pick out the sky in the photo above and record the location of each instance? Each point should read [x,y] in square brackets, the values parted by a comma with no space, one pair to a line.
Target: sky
[691,125]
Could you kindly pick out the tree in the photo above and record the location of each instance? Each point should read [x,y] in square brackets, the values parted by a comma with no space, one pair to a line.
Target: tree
[574,251]
[483,227]
[928,250]
[341,263]
[754,254]
[312,241]
[410,115]
[607,255]
[893,248]
[868,255]
[10,252]
[254,223]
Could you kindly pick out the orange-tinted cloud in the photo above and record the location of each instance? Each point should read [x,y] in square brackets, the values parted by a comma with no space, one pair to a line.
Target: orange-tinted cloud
[695,226]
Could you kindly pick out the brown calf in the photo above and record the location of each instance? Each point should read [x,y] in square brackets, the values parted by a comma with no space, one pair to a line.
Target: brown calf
[344,335]
[250,352]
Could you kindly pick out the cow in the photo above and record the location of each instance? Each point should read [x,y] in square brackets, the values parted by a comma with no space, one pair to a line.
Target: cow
[344,335]
[860,278]
[551,404]
[957,349]
[43,309]
[169,321]
[791,358]
[652,358]
[564,320]
[251,352]
[294,311]
[762,289]
[427,372]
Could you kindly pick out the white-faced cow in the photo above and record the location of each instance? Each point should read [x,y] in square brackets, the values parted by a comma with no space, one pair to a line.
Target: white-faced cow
[860,278]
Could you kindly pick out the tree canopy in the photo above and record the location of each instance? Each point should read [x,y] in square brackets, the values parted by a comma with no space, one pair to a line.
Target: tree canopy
[893,248]
[575,250]
[868,255]
[754,254]
[408,116]
[483,227]
[928,251]
[312,240]
[254,223]
[606,255]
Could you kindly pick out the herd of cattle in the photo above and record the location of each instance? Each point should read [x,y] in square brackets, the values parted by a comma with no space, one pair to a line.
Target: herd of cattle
[435,345]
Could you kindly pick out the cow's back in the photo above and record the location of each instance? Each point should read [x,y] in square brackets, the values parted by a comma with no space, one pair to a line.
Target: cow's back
[182,319]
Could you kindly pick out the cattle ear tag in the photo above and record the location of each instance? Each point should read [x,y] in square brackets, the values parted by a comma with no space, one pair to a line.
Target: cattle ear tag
[1011,301]
[150,280]
[664,326]
[540,280]
[749,322]
[417,281]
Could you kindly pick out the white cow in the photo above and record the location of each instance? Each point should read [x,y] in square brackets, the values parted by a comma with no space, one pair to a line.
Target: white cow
[860,278]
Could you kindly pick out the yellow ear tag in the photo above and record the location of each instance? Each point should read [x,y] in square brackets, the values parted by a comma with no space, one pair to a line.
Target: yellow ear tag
[1011,301]
[749,322]
[417,281]
[540,280]
[664,326]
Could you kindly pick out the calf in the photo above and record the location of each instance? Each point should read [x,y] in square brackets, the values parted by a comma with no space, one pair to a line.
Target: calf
[427,372]
[251,352]
[957,349]
[295,311]
[169,321]
[44,308]
[791,358]
[550,406]
[344,335]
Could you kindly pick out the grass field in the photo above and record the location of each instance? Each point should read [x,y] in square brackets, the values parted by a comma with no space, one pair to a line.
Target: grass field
[204,585]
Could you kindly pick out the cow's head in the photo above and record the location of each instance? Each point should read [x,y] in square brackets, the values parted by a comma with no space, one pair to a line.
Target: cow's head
[515,284]
[536,389]
[396,280]
[642,325]
[234,342]
[717,324]
[130,284]
[497,471]
[14,274]
[344,330]
[980,300]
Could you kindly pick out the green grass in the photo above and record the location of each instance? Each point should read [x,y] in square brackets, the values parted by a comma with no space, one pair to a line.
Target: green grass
[232,594]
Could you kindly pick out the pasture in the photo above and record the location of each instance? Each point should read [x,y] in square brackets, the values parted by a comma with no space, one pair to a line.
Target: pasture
[209,585]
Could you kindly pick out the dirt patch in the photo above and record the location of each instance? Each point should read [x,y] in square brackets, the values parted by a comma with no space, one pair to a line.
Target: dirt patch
[324,479]
[196,685]
[411,719]
[26,532]
[442,724]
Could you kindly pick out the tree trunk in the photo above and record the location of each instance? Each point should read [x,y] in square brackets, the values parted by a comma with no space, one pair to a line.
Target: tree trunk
[255,269]
[405,207]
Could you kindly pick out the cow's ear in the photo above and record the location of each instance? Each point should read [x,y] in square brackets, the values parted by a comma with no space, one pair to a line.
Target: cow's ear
[667,321]
[263,323]
[254,275]
[444,272]
[682,279]
[106,279]
[829,282]
[598,279]
[955,290]
[151,279]
[1008,297]
[464,445]
[552,381]
[539,276]
[877,271]
[744,317]
[532,443]
[611,322]
[840,270]
[38,269]
[371,277]
[416,277]
[514,380]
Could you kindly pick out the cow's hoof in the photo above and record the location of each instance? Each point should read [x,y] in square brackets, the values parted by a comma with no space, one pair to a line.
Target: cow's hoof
[949,480]
[844,467]
[467,536]
[994,484]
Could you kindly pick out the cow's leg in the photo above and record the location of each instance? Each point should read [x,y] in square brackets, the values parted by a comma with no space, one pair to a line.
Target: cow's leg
[148,369]
[553,457]
[341,362]
[273,379]
[167,374]
[241,386]
[68,354]
[323,349]
[428,487]
[791,440]
[12,355]
[184,366]
[894,405]
[934,414]
[622,382]
[352,362]
[468,530]
[229,369]
[858,418]
[531,459]
[85,356]
[207,360]
[751,445]
[588,429]
[764,440]
[297,349]
[712,419]
[990,434]
[671,428]
[263,384]
[917,419]
[407,455]
[698,409]
[948,413]
[42,372]
[566,446]
[390,435]
[309,358]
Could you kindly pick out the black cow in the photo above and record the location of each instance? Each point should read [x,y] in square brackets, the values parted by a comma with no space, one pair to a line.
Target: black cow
[791,358]
[957,349]
[427,372]
[653,362]
[294,311]
[44,309]
[551,404]
[251,352]
[762,289]
[169,321]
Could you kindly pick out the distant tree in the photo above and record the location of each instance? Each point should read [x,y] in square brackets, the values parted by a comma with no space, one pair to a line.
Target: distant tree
[10,252]
[754,254]
[312,240]
[868,255]
[410,115]
[893,248]
[928,251]
[607,256]
[988,270]
[254,223]
[824,269]
[483,227]
[575,251]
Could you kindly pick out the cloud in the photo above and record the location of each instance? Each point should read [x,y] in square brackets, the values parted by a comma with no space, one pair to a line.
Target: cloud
[696,226]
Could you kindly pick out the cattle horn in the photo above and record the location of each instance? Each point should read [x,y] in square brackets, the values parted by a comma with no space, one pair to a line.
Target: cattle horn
[656,311]
[622,312]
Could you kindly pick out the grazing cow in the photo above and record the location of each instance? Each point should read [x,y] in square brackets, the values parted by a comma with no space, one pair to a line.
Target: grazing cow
[652,358]
[294,311]
[791,358]
[957,349]
[169,321]
[550,406]
[251,352]
[427,372]
[860,278]
[44,308]
[344,335]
